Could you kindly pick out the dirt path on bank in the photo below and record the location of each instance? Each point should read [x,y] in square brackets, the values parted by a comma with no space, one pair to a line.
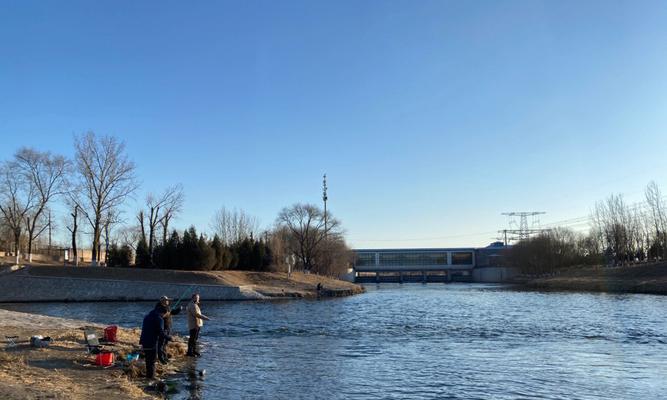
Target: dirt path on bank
[64,370]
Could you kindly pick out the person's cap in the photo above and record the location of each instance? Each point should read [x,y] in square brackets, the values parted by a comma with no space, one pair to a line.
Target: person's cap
[165,298]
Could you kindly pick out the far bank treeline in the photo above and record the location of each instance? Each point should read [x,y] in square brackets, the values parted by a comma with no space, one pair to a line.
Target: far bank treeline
[618,234]
[93,187]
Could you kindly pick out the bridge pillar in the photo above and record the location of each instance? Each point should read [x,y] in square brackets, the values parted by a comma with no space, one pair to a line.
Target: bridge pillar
[377,277]
[423,276]
[400,276]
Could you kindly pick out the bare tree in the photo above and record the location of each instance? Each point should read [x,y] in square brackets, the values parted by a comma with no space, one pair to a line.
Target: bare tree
[159,211]
[335,257]
[141,218]
[278,241]
[73,228]
[6,235]
[45,173]
[112,218]
[16,201]
[234,226]
[306,224]
[52,226]
[551,251]
[173,204]
[619,229]
[657,212]
[106,180]
[128,235]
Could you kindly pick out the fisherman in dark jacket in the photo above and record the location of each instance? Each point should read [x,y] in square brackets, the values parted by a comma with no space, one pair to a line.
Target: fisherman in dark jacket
[151,332]
[165,302]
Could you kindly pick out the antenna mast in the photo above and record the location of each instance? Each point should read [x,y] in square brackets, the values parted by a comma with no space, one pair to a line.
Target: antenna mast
[325,198]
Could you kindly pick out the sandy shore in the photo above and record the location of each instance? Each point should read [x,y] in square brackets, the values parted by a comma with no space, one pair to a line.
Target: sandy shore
[64,370]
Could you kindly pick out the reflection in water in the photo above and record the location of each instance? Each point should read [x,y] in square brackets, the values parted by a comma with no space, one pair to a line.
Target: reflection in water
[194,385]
[415,342]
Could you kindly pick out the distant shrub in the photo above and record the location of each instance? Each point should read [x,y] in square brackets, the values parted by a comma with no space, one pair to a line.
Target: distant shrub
[120,256]
[194,252]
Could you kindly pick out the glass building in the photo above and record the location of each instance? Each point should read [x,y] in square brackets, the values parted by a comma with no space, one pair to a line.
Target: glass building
[413,259]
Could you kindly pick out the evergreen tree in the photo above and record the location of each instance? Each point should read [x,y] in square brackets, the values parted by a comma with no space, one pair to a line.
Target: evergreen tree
[205,256]
[189,249]
[233,262]
[143,258]
[223,256]
[119,257]
[257,256]
[166,254]
[267,259]
[244,254]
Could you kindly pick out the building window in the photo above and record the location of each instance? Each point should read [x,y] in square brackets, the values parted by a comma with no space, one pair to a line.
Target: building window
[462,258]
[390,259]
[365,259]
[413,258]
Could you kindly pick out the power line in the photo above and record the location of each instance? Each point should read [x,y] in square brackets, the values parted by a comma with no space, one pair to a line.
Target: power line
[523,232]
[639,206]
[575,222]
[427,238]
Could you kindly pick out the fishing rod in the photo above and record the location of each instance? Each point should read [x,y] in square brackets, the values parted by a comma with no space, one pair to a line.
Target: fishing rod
[187,291]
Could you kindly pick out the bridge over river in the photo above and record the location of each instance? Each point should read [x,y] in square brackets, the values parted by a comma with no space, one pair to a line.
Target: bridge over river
[431,265]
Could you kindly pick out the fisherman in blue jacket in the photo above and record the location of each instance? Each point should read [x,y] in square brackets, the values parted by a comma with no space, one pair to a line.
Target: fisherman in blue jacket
[152,331]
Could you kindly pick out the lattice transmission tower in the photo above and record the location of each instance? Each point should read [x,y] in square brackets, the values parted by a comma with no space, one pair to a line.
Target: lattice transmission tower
[522,229]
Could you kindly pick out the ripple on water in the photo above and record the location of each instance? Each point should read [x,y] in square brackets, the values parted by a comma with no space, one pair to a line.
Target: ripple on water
[423,342]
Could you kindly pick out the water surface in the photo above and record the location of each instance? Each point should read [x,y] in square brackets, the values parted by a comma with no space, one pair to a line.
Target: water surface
[433,341]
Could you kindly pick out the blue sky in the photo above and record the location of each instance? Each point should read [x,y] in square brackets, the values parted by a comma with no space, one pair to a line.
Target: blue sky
[430,118]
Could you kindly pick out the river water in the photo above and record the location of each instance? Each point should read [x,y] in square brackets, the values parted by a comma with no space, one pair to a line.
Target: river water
[455,341]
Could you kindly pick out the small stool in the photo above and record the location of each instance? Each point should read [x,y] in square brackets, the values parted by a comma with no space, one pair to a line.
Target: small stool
[11,341]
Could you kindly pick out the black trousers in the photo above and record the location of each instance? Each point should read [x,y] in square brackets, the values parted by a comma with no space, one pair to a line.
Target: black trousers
[192,341]
[150,355]
[162,348]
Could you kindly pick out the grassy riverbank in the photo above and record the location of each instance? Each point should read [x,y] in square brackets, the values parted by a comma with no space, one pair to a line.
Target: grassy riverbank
[64,370]
[640,278]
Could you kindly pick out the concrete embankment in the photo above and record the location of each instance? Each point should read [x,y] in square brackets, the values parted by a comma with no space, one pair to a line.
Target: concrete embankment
[57,283]
[23,287]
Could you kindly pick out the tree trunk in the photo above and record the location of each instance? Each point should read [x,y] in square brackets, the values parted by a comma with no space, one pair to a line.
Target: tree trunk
[31,229]
[150,247]
[106,244]
[74,252]
[73,230]
[96,243]
[17,244]
[152,224]
[29,248]
[165,229]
